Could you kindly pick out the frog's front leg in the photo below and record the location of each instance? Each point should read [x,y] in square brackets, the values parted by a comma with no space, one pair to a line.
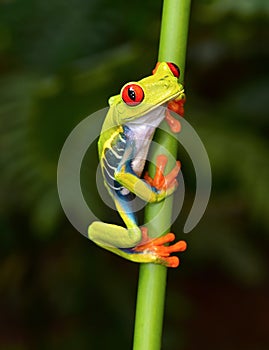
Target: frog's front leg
[153,189]
[161,181]
[177,106]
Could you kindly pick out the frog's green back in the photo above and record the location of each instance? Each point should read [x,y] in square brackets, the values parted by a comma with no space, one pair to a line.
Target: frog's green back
[109,129]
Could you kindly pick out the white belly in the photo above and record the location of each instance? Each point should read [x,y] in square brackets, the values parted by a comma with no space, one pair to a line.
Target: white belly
[143,130]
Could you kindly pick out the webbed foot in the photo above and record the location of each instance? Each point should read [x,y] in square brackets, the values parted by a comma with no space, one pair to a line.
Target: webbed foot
[159,252]
[176,106]
[160,181]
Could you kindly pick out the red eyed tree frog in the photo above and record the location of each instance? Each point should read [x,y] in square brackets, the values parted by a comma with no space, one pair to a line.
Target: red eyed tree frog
[123,145]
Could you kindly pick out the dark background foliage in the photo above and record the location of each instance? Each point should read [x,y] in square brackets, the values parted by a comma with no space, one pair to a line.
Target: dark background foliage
[59,62]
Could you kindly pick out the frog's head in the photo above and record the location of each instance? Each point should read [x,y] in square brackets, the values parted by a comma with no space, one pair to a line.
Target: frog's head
[139,98]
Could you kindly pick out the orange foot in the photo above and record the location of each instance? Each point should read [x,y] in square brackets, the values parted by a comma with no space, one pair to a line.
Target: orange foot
[161,181]
[176,106]
[157,248]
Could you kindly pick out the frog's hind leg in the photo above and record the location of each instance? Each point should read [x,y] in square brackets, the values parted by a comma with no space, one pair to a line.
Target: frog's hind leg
[133,243]
[113,237]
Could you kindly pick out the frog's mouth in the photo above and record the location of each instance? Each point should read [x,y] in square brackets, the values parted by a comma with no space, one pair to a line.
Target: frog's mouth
[150,119]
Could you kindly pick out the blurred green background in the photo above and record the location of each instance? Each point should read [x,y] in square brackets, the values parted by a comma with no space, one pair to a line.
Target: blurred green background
[59,62]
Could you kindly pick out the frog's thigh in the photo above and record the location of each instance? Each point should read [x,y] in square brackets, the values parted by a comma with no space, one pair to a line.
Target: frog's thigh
[110,235]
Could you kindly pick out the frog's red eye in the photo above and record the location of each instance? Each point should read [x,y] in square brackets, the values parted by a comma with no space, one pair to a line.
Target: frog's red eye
[132,94]
[174,69]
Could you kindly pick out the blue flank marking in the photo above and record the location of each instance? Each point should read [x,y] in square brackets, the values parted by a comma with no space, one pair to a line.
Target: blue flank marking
[127,208]
[128,167]
[130,251]
[125,200]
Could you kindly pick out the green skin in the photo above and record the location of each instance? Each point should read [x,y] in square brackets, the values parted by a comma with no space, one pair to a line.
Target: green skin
[142,119]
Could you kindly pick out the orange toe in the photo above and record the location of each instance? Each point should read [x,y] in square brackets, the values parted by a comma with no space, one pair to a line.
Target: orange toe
[173,123]
[161,181]
[172,261]
[158,248]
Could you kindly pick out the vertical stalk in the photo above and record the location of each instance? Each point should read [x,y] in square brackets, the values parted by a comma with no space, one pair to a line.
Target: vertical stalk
[152,278]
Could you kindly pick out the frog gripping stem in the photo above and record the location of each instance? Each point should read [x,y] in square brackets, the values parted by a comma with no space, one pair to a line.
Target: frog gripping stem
[177,106]
[161,252]
[161,181]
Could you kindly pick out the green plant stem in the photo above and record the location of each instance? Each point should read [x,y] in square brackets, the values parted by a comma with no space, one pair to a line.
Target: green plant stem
[152,278]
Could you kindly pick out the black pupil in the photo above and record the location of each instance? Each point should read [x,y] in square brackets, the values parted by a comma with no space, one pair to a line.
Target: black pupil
[131,93]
